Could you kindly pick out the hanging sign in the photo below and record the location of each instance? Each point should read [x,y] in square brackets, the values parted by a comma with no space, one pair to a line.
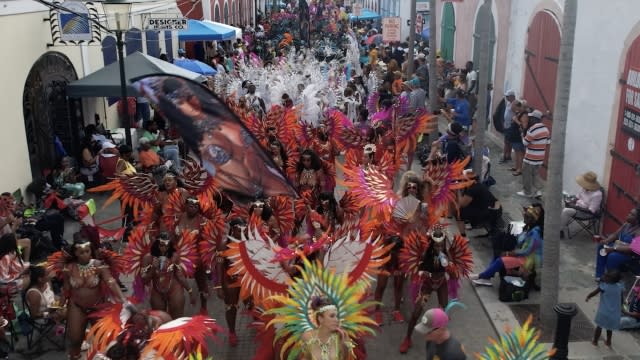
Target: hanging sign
[631,113]
[173,23]
[391,29]
[74,23]
[357,10]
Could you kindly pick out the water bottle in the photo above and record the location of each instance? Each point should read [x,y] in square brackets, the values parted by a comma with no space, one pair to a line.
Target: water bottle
[443,260]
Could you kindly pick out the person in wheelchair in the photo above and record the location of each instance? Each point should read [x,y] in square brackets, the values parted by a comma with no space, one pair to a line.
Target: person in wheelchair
[586,203]
[527,254]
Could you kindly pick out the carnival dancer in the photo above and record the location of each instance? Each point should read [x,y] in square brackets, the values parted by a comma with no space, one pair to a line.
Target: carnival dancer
[126,333]
[432,272]
[162,270]
[309,175]
[85,280]
[327,150]
[321,316]
[192,219]
[391,269]
[227,288]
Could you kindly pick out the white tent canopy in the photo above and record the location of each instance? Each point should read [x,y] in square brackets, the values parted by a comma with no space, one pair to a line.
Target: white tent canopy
[237,30]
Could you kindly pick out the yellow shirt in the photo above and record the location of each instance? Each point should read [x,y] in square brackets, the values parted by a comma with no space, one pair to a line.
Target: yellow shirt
[123,167]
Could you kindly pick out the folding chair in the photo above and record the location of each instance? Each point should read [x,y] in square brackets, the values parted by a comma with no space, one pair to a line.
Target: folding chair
[37,330]
[587,221]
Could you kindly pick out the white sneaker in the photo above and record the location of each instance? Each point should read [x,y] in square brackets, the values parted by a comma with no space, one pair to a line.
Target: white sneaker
[482,282]
[524,194]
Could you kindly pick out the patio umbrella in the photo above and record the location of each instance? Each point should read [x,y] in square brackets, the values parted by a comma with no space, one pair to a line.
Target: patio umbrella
[375,39]
[425,34]
[195,66]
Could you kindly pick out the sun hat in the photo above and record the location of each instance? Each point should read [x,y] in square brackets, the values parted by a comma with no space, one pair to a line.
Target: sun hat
[431,320]
[589,181]
[536,114]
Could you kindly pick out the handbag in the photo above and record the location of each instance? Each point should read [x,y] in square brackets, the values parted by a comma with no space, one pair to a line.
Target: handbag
[512,289]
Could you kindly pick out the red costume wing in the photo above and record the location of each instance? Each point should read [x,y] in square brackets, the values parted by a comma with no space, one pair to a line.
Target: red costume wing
[460,257]
[444,179]
[137,190]
[212,233]
[197,180]
[303,135]
[360,259]
[186,252]
[172,210]
[410,127]
[180,338]
[342,131]
[139,246]
[372,190]
[56,263]
[414,246]
[251,259]
[282,207]
[105,330]
[116,262]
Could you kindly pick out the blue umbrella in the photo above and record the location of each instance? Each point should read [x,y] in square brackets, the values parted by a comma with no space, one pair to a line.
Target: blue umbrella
[195,66]
[425,34]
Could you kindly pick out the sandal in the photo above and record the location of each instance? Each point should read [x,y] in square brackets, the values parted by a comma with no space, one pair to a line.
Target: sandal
[516,173]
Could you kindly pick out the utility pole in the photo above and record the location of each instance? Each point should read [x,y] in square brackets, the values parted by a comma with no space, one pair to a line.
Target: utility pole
[479,128]
[433,67]
[412,39]
[553,191]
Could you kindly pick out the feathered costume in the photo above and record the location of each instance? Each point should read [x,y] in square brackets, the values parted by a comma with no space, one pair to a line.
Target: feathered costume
[173,340]
[294,315]
[517,344]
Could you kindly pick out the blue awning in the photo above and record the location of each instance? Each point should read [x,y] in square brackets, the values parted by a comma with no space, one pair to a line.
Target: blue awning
[366,14]
[200,31]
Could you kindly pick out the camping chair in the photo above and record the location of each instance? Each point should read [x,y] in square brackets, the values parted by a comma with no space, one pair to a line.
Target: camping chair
[37,330]
[587,221]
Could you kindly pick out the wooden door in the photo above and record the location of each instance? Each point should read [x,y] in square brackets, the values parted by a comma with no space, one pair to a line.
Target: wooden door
[541,62]
[541,56]
[448,27]
[623,192]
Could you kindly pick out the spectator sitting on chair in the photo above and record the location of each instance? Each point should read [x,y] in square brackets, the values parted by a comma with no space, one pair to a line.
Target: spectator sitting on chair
[586,203]
[40,298]
[528,252]
[149,159]
[477,205]
[631,318]
[624,235]
[107,160]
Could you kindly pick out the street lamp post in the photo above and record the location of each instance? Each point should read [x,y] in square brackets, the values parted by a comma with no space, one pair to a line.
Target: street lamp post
[118,15]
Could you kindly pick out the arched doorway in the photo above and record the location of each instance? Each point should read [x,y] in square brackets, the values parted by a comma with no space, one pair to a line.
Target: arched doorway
[448,27]
[49,113]
[216,13]
[476,44]
[541,56]
[624,180]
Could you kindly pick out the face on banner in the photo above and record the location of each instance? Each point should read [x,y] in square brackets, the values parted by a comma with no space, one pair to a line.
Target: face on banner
[227,149]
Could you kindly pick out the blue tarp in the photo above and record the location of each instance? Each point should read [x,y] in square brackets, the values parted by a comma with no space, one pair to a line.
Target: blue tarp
[200,31]
[366,14]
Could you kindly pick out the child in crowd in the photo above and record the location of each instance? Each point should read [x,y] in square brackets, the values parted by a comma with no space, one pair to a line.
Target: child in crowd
[611,293]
